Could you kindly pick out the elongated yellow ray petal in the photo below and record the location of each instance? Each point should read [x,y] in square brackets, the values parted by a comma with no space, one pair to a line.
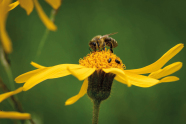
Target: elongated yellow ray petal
[8,94]
[72,66]
[54,3]
[169,79]
[122,80]
[140,80]
[116,71]
[81,93]
[24,77]
[66,72]
[13,5]
[14,115]
[59,74]
[160,62]
[120,75]
[27,5]
[170,69]
[47,22]
[6,42]
[47,73]
[36,65]
[81,73]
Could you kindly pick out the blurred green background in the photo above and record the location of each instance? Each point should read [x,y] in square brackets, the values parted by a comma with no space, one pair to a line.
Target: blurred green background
[147,29]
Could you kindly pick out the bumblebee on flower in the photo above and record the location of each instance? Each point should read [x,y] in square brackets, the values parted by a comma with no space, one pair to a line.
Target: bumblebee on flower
[95,66]
[98,70]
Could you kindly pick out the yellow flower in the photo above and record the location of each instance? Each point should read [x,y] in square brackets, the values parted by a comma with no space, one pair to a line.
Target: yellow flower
[13,115]
[96,67]
[28,5]
[5,40]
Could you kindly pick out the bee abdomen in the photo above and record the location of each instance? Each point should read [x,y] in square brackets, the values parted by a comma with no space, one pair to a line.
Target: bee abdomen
[114,43]
[110,41]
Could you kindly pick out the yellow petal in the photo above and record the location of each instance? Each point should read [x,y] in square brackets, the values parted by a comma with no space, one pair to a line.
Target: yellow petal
[81,93]
[54,3]
[169,79]
[122,80]
[6,42]
[47,22]
[116,71]
[1,1]
[160,62]
[13,5]
[14,115]
[120,75]
[27,5]
[24,77]
[170,69]
[36,65]
[47,73]
[59,74]
[81,73]
[8,94]
[140,80]
[65,71]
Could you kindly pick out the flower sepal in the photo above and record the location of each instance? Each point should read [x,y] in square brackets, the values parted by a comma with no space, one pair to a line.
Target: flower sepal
[99,85]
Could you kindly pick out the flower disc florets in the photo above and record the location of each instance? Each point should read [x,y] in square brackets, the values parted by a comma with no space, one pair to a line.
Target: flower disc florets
[100,60]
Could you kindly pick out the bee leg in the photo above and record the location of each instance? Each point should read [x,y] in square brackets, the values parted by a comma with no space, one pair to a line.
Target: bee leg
[111,48]
[90,49]
[104,46]
[99,47]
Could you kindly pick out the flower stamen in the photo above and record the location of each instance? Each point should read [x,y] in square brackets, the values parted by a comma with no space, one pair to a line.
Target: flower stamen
[102,60]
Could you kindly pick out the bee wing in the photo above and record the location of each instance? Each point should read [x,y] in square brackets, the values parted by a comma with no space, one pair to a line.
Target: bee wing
[106,35]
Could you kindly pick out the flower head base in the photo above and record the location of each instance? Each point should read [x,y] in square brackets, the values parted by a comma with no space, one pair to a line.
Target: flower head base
[102,60]
[99,85]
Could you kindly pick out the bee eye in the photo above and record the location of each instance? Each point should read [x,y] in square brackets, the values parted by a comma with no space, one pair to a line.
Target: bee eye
[93,43]
[117,61]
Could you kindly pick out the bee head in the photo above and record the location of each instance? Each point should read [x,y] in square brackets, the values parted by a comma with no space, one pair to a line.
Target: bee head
[92,45]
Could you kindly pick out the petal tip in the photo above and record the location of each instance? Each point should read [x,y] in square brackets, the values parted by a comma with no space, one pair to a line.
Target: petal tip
[69,102]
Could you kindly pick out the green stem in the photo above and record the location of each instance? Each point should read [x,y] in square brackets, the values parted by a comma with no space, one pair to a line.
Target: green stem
[6,65]
[96,111]
[41,44]
[43,40]
[5,89]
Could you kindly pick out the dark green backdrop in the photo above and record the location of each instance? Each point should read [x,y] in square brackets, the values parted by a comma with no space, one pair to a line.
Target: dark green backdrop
[147,29]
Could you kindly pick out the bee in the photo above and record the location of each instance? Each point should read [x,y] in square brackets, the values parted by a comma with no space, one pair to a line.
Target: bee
[99,42]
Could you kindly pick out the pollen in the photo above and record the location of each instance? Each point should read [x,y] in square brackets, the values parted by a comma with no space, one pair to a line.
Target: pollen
[102,60]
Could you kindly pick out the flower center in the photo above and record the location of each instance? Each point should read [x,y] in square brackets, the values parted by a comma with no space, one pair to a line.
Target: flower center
[102,59]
